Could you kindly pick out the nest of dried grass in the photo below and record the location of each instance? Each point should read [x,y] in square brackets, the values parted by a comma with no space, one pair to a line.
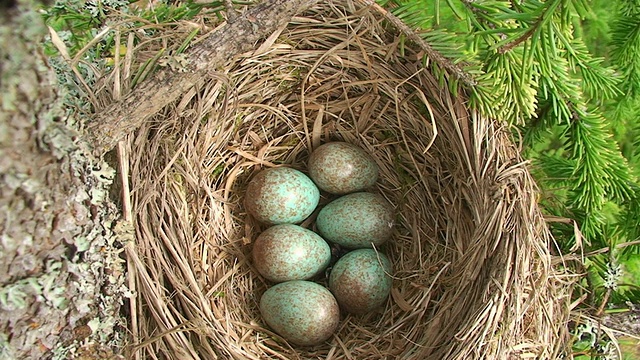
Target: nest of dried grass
[473,274]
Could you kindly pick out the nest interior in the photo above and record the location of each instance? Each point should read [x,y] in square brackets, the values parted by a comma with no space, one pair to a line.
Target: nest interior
[472,273]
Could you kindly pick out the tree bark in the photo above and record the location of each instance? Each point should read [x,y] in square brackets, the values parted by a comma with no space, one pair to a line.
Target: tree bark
[61,278]
[111,124]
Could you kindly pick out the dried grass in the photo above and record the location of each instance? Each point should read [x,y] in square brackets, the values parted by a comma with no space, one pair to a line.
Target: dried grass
[473,273]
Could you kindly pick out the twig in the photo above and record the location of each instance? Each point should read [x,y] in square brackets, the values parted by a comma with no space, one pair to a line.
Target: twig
[123,161]
[540,22]
[508,47]
[123,165]
[431,52]
[604,302]
[232,14]
[123,117]
[618,246]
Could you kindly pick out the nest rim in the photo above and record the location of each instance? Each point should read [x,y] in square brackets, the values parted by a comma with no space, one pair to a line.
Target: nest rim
[335,74]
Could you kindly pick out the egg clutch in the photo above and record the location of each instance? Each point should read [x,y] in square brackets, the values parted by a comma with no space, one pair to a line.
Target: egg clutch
[297,308]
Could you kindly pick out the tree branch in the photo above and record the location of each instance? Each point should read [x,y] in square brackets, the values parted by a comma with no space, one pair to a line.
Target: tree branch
[433,54]
[232,14]
[111,124]
[508,47]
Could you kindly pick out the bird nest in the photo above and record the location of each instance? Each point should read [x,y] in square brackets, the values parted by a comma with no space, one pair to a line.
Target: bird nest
[473,276]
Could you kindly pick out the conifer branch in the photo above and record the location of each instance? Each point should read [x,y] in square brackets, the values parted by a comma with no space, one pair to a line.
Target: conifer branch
[442,61]
[508,47]
[543,19]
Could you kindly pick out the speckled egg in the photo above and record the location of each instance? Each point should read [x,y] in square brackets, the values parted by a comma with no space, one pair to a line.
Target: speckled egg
[357,220]
[281,196]
[302,312]
[342,168]
[289,252]
[361,280]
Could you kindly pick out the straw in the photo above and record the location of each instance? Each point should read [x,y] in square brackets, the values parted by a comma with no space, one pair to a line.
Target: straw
[473,276]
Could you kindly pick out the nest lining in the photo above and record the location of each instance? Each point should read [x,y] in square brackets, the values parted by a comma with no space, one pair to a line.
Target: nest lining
[472,273]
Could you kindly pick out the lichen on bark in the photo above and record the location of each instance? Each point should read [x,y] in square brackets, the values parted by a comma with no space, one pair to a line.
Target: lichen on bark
[61,274]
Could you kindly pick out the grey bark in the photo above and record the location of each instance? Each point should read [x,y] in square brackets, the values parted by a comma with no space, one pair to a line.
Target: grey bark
[61,278]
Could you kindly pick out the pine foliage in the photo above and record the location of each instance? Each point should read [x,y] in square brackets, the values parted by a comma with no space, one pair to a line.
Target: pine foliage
[534,71]
[625,35]
[569,83]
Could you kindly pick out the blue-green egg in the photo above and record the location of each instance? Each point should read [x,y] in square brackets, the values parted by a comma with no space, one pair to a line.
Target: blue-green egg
[302,312]
[281,196]
[342,168]
[361,280]
[289,252]
[357,220]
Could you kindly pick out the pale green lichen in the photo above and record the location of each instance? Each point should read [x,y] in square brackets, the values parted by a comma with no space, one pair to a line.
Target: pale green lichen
[105,175]
[14,296]
[60,260]
[6,350]
[51,291]
[62,352]
[177,63]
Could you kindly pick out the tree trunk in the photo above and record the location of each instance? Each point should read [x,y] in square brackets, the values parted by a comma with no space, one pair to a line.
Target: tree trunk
[61,278]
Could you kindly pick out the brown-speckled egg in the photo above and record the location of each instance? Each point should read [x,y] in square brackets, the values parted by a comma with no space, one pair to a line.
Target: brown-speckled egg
[302,312]
[281,196]
[361,280]
[357,220]
[342,168]
[289,252]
